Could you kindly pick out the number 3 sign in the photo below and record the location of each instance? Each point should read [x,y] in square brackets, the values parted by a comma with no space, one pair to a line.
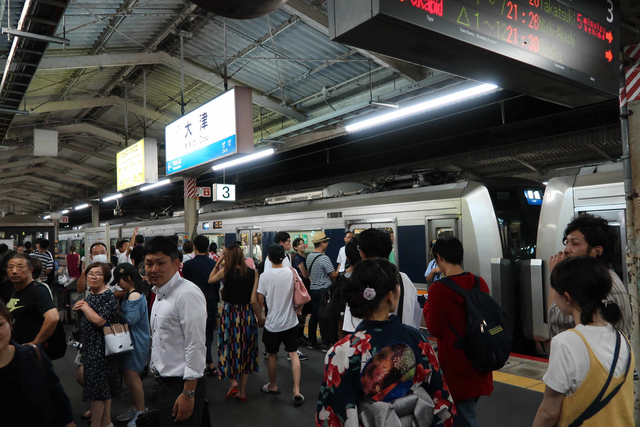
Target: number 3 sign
[224,193]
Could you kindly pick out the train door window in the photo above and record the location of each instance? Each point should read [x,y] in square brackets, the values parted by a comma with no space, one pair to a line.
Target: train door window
[357,227]
[438,227]
[218,239]
[251,238]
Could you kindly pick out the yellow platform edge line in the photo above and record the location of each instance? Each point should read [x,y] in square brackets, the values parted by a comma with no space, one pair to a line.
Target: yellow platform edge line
[515,380]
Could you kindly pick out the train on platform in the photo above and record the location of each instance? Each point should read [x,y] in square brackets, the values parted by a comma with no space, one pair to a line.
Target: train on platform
[508,227]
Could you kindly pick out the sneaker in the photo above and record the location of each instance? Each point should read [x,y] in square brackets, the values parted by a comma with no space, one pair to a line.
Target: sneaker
[301,356]
[313,345]
[325,347]
[132,422]
[265,355]
[127,415]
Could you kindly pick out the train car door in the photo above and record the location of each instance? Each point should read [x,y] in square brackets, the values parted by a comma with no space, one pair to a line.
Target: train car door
[440,226]
[251,238]
[389,225]
[617,223]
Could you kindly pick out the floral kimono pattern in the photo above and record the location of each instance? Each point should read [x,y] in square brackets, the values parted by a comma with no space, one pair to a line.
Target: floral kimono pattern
[383,361]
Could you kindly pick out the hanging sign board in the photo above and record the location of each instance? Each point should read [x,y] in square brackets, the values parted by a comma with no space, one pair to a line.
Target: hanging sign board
[220,128]
[203,191]
[563,51]
[224,193]
[138,164]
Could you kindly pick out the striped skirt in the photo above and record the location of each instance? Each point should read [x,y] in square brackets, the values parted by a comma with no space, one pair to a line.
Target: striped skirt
[237,341]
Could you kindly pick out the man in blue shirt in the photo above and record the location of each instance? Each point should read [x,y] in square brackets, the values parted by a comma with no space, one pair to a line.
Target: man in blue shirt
[197,270]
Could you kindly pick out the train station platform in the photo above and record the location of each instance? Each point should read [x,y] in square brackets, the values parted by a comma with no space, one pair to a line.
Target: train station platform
[515,400]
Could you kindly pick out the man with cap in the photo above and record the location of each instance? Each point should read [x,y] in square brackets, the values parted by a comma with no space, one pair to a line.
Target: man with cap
[321,273]
[281,325]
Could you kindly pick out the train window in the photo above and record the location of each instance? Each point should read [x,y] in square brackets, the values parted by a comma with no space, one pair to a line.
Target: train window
[444,232]
[256,247]
[244,238]
[218,239]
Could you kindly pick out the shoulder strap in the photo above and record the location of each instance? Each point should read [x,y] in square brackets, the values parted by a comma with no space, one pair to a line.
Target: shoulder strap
[453,286]
[313,262]
[599,402]
[401,303]
[39,355]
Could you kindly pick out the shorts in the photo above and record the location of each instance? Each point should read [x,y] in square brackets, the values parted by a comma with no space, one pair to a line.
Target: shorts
[272,340]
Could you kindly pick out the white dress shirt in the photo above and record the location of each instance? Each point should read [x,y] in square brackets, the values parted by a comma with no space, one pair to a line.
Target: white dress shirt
[178,320]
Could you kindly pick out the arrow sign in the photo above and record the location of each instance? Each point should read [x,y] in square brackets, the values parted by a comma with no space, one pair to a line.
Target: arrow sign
[609,36]
[609,55]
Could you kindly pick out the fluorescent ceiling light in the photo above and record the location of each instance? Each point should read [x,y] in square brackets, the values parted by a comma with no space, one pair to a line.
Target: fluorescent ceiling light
[418,108]
[545,183]
[66,211]
[115,196]
[245,159]
[86,205]
[47,217]
[156,185]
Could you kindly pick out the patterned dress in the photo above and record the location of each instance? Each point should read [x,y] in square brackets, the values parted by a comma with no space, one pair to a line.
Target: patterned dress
[238,329]
[102,380]
[381,362]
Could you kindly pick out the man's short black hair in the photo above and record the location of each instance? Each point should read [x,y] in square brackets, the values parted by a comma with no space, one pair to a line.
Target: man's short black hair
[201,243]
[596,231]
[139,239]
[281,236]
[450,249]
[375,243]
[26,257]
[3,248]
[27,245]
[163,244]
[44,244]
[348,232]
[122,242]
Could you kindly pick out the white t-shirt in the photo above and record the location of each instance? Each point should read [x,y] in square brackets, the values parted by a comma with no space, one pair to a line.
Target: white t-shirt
[342,259]
[569,362]
[411,313]
[277,287]
[286,262]
[123,257]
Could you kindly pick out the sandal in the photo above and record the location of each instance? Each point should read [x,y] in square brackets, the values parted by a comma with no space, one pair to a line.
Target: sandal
[297,400]
[242,399]
[231,394]
[265,389]
[211,372]
[86,416]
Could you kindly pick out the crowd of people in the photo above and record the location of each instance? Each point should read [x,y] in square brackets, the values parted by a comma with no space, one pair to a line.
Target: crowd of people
[380,368]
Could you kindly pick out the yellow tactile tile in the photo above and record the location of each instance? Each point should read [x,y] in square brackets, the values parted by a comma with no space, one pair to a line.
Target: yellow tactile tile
[518,381]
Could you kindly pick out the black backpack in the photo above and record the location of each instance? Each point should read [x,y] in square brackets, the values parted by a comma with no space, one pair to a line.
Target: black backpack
[487,340]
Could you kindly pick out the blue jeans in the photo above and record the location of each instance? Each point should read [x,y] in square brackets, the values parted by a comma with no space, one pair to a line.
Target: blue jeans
[466,416]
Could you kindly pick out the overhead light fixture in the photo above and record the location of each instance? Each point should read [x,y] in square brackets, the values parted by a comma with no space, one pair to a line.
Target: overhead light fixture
[115,196]
[156,185]
[245,159]
[66,211]
[46,217]
[384,104]
[423,106]
[84,206]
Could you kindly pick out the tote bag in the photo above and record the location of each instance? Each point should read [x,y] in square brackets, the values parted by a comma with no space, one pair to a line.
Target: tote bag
[117,339]
[300,294]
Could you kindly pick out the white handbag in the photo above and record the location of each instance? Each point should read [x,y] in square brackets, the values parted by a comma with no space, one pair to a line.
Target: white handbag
[117,339]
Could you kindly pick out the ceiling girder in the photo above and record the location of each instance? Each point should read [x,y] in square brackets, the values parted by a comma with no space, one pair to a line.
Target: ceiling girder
[85,169]
[87,152]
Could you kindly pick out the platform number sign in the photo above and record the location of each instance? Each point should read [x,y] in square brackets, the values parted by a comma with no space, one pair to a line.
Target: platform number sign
[224,192]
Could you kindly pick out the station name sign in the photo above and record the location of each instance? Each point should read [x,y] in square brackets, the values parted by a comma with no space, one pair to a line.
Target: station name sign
[137,164]
[220,128]
[542,47]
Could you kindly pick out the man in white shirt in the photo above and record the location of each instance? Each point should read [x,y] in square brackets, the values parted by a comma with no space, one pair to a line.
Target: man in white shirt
[178,320]
[281,324]
[282,238]
[376,243]
[124,247]
[342,256]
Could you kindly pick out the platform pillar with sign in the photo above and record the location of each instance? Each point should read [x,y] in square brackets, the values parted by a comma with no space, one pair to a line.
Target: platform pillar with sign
[190,207]
[95,213]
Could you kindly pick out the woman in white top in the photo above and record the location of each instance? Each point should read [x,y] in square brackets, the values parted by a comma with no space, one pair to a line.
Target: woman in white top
[582,358]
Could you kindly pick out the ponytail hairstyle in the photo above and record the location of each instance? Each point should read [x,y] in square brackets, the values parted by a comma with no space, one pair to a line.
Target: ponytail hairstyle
[371,281]
[588,283]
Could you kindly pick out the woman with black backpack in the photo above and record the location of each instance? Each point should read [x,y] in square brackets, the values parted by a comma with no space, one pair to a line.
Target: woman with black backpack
[383,361]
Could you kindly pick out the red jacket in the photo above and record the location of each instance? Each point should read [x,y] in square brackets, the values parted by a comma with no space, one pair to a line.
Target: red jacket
[446,307]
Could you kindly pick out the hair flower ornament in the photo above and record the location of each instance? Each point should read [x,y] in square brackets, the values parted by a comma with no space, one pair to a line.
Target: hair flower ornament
[369,294]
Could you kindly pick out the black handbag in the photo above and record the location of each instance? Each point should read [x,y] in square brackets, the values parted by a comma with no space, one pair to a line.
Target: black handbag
[56,345]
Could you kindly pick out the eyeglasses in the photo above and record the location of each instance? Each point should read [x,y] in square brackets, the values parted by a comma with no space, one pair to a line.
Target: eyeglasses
[95,274]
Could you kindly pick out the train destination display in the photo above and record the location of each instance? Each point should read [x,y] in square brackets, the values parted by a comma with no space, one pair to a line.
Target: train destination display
[548,48]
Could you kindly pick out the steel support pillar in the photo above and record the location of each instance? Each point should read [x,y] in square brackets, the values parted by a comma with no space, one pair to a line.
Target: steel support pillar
[95,213]
[190,207]
[630,123]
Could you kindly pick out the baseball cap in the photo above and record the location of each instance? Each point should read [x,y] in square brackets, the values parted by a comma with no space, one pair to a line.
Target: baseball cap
[319,237]
[124,270]
[276,253]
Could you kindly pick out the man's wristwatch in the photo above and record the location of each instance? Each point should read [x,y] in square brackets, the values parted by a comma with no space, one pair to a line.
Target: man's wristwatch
[189,393]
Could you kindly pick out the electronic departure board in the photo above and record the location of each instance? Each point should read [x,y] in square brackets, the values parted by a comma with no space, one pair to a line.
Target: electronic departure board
[564,51]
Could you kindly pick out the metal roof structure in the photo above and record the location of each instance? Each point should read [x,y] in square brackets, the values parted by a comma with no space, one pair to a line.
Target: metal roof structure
[124,54]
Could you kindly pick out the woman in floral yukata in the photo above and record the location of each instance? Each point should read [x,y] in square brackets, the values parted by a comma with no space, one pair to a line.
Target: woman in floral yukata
[382,361]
